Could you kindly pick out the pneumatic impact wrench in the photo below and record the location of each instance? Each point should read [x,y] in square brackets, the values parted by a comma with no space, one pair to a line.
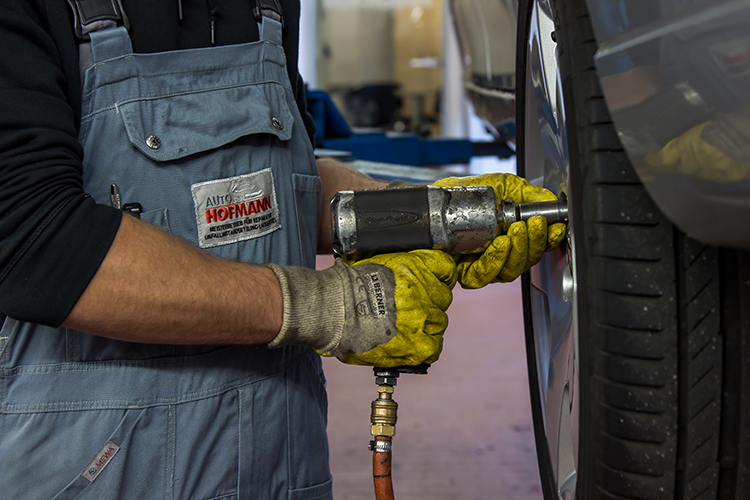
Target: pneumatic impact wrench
[453,219]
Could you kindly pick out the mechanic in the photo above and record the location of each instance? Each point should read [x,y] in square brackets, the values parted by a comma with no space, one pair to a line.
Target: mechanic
[143,355]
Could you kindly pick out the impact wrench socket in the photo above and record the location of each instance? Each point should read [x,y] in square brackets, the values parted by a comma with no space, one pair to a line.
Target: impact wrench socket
[453,219]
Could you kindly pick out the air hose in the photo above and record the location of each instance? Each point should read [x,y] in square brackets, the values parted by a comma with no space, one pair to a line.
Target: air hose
[381,468]
[383,416]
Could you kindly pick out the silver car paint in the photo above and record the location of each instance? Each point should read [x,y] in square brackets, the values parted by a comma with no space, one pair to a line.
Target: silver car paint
[665,67]
[677,80]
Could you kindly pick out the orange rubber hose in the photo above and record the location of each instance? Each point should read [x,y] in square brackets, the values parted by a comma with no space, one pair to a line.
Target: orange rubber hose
[381,473]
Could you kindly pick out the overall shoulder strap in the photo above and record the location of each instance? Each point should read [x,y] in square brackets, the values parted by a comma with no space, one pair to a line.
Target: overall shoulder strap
[270,9]
[88,15]
[270,17]
[95,16]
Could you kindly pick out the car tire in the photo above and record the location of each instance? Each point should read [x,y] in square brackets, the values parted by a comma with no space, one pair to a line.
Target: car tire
[663,321]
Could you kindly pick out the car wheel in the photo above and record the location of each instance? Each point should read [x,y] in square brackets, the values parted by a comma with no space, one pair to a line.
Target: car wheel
[635,333]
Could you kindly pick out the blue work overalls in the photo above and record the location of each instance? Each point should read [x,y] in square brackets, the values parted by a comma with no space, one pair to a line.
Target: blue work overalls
[210,142]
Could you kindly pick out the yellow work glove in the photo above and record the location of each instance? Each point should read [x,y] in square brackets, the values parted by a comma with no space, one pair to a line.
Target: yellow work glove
[386,311]
[507,256]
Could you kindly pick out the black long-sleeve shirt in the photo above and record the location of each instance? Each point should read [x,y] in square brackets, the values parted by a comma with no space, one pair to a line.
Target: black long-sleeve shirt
[52,237]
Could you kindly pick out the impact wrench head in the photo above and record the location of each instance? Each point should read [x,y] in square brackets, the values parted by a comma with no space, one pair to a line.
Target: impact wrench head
[509,212]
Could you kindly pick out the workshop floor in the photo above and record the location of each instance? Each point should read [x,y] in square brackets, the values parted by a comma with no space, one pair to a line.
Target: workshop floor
[464,430]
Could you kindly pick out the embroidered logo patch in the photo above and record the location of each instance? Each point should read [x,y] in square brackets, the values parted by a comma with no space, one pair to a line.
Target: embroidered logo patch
[100,461]
[235,209]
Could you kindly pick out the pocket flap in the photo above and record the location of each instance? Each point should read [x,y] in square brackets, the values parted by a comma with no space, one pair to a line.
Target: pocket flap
[172,127]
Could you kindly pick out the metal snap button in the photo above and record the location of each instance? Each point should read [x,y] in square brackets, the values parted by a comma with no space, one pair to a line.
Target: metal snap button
[277,124]
[153,142]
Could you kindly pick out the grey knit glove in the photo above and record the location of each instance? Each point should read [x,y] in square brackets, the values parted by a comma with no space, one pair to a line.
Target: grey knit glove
[339,310]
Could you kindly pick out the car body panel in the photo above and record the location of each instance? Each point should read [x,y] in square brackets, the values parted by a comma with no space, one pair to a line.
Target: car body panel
[676,78]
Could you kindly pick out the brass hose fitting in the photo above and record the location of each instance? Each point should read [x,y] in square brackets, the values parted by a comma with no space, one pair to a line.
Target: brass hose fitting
[383,419]
[383,412]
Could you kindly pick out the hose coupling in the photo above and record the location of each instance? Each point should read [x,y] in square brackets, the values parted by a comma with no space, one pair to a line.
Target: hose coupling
[383,414]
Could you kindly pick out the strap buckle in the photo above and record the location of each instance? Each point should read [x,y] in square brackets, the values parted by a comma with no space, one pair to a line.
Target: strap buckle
[268,8]
[86,12]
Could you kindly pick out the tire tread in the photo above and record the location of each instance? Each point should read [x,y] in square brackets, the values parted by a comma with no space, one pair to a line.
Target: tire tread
[644,319]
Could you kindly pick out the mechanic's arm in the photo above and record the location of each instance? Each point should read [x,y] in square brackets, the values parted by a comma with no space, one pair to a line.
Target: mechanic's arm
[151,287]
[334,177]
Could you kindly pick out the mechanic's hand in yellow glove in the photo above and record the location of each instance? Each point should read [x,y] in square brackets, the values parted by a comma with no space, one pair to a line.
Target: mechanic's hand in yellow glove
[388,310]
[507,256]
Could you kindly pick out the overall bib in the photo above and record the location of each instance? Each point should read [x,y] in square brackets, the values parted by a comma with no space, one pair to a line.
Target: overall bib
[210,142]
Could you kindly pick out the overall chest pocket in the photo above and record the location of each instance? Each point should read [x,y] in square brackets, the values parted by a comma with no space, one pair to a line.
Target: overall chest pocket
[207,150]
[177,126]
